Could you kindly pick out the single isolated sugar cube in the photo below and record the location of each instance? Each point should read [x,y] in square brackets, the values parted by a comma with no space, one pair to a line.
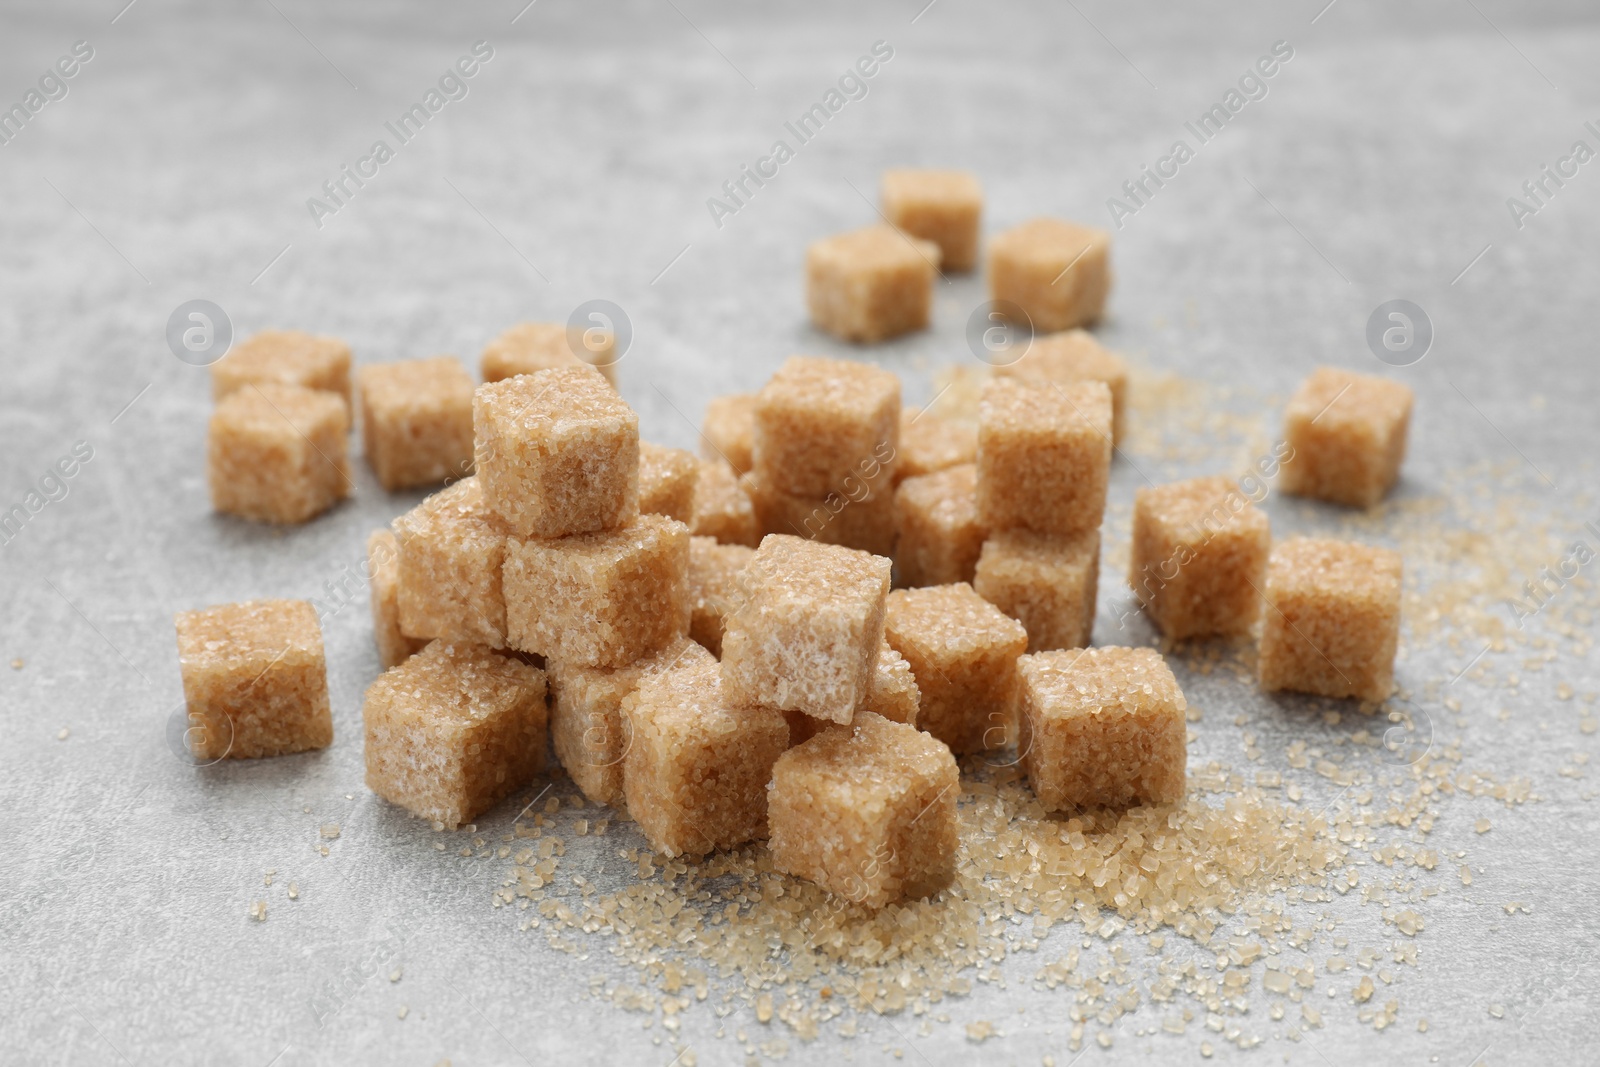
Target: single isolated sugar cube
[942,206]
[1199,557]
[1075,356]
[823,425]
[1044,455]
[850,521]
[599,599]
[454,730]
[1048,584]
[1347,433]
[871,284]
[1057,272]
[930,443]
[1101,728]
[867,811]
[714,588]
[416,421]
[807,634]
[587,727]
[892,693]
[728,431]
[667,479]
[277,453]
[722,509]
[1332,620]
[963,652]
[451,551]
[557,453]
[383,569]
[696,771]
[530,347]
[939,535]
[255,679]
[285,357]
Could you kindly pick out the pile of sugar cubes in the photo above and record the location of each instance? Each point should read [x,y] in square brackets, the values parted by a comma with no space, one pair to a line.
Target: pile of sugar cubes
[794,636]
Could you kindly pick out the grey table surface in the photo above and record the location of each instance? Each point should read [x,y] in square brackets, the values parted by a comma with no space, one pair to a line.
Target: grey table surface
[578,165]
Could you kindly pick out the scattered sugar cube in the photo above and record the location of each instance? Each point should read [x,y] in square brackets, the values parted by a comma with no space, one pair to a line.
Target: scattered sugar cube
[696,771]
[587,727]
[867,811]
[1332,620]
[942,206]
[416,421]
[255,679]
[557,453]
[284,357]
[1075,356]
[930,443]
[714,588]
[453,730]
[1199,557]
[1058,272]
[827,426]
[1044,455]
[530,347]
[1348,436]
[722,509]
[451,551]
[936,520]
[893,691]
[808,631]
[383,566]
[1101,728]
[963,652]
[599,599]
[667,479]
[871,284]
[277,453]
[1048,584]
[728,431]
[835,519]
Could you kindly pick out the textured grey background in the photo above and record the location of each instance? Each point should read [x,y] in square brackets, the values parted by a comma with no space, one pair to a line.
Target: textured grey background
[178,167]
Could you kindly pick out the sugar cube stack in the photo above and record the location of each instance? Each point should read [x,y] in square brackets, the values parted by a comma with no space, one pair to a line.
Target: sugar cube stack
[871,284]
[1199,558]
[1347,435]
[277,453]
[416,421]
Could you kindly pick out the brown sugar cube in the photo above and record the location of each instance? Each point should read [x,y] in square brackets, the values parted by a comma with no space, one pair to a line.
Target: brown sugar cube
[722,509]
[416,421]
[728,432]
[963,652]
[1199,557]
[1101,728]
[696,771]
[383,568]
[1347,433]
[454,730]
[929,443]
[530,347]
[451,551]
[870,284]
[939,535]
[867,811]
[285,357]
[827,426]
[1332,620]
[714,589]
[255,680]
[599,599]
[587,727]
[893,692]
[1057,272]
[667,479]
[557,453]
[277,453]
[942,206]
[807,634]
[1048,584]
[835,519]
[1044,455]
[1075,356]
